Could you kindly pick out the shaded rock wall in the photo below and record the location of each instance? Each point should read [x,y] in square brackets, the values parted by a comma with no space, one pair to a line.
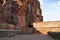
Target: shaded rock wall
[20,13]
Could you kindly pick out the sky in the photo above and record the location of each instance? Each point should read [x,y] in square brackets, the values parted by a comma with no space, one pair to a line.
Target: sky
[50,10]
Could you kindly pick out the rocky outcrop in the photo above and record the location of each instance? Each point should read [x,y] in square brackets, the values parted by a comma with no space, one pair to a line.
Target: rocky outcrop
[45,27]
[20,13]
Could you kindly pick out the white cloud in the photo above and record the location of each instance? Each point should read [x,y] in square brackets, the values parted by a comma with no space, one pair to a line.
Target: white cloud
[58,2]
[53,6]
[56,5]
[50,11]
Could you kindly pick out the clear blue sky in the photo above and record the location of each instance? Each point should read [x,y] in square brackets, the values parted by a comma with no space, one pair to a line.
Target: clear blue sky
[50,10]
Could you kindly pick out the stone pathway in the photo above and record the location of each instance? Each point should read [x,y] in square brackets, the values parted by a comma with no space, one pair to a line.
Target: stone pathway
[29,37]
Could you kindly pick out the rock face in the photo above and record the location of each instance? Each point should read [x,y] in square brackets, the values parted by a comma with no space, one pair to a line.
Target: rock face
[20,13]
[45,27]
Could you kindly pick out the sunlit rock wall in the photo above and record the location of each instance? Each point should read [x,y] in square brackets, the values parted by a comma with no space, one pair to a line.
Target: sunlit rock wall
[45,27]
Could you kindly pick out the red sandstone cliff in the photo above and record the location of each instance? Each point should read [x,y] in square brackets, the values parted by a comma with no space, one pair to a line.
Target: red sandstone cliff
[19,13]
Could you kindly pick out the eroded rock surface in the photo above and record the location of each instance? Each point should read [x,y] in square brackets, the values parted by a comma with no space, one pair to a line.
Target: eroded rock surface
[20,13]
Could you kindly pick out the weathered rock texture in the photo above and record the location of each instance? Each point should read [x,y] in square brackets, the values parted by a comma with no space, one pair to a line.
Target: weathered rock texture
[19,14]
[45,27]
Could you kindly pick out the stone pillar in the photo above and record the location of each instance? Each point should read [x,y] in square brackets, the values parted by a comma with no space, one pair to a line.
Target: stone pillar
[39,16]
[37,11]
